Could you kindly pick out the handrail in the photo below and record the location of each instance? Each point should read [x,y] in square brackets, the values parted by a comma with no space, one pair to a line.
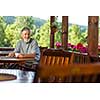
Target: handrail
[6,48]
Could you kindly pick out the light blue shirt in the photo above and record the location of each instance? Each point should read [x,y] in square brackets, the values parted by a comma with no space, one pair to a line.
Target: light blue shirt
[27,48]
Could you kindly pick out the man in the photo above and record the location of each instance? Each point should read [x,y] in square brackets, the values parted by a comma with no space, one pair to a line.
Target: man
[27,48]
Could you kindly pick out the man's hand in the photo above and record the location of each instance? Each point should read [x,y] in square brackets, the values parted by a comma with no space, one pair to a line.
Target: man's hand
[11,54]
[20,55]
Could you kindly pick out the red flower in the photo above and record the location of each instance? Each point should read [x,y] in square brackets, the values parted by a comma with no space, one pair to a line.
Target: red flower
[79,45]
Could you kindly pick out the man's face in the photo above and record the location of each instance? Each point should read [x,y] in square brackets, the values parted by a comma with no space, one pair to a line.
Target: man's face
[25,35]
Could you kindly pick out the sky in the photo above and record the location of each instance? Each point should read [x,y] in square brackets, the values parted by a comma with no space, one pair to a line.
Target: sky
[80,20]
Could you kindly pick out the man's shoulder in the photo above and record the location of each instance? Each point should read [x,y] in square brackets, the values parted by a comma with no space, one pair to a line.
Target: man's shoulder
[20,41]
[33,40]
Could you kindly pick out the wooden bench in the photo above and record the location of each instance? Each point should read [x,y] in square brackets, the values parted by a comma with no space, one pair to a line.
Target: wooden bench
[5,50]
[71,73]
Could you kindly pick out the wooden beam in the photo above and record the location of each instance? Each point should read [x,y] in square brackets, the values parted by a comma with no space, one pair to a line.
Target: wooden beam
[64,31]
[52,27]
[93,35]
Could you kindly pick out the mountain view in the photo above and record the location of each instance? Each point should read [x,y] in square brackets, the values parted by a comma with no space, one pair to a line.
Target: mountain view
[38,22]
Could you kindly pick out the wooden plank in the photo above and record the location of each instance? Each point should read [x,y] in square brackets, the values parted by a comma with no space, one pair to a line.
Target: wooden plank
[52,20]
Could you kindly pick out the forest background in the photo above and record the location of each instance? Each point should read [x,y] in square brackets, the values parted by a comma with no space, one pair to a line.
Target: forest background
[10,27]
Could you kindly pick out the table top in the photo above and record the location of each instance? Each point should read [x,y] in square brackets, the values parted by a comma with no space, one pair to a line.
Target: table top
[4,59]
[21,76]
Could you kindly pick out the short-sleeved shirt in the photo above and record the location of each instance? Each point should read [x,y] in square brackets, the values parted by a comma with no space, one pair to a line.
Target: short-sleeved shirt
[27,48]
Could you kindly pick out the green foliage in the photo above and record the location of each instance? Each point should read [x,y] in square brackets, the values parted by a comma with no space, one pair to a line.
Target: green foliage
[43,35]
[58,34]
[10,31]
[2,31]
[75,36]
[23,21]
[12,34]
[13,30]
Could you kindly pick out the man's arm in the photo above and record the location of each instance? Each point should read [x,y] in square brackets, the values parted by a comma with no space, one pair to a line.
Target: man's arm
[32,55]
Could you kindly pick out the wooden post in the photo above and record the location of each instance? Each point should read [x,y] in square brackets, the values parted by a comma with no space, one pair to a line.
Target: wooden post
[93,35]
[64,32]
[52,20]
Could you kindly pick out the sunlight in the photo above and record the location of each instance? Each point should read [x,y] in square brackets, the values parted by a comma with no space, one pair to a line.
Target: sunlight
[80,20]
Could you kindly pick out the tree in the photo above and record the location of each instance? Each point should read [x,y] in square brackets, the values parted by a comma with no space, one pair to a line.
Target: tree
[2,31]
[76,36]
[43,35]
[13,30]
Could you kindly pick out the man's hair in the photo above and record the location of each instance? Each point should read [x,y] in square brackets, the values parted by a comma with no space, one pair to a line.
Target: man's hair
[25,28]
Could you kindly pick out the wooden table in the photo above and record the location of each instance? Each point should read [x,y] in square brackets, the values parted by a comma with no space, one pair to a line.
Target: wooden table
[21,76]
[7,60]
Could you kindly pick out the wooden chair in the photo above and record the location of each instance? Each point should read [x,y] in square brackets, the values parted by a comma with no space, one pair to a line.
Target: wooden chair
[71,73]
[42,49]
[52,57]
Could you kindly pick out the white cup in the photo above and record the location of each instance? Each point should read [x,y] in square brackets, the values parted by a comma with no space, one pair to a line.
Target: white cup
[16,54]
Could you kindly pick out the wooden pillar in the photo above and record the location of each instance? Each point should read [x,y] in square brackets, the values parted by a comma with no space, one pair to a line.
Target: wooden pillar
[64,32]
[93,35]
[52,20]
